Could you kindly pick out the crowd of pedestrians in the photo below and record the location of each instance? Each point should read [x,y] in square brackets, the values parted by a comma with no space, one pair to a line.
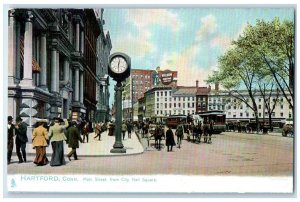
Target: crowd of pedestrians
[56,133]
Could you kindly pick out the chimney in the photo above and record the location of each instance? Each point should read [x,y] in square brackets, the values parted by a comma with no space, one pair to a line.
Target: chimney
[217,86]
[197,83]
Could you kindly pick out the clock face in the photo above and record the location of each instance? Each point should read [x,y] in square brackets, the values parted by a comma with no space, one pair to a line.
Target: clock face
[118,65]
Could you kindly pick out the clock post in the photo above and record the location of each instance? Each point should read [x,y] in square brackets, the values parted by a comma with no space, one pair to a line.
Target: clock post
[119,69]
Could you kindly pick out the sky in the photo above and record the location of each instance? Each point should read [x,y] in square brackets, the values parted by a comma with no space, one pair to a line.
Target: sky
[187,40]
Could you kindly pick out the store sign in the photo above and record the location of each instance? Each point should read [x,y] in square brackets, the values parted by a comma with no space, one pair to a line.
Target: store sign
[166,77]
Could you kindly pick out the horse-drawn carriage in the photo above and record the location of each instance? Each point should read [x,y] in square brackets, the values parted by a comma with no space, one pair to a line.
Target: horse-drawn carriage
[156,133]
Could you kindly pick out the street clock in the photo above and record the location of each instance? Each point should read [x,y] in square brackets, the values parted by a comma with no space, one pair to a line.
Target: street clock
[119,69]
[119,65]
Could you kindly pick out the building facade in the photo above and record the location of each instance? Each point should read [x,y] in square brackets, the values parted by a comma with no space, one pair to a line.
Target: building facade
[52,63]
[104,47]
[238,111]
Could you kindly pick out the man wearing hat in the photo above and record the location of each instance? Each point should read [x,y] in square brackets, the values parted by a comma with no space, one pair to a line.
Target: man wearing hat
[21,139]
[10,138]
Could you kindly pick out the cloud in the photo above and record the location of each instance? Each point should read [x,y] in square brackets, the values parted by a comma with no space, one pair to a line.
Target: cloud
[188,71]
[207,28]
[143,18]
[223,42]
[137,46]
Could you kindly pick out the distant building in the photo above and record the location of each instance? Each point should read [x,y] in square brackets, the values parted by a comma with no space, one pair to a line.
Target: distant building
[238,111]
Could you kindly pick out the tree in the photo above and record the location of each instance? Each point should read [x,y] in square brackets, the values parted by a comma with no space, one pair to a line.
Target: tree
[273,43]
[238,74]
[264,52]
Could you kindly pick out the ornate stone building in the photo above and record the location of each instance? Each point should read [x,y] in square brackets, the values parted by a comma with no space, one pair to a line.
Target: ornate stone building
[52,63]
[104,47]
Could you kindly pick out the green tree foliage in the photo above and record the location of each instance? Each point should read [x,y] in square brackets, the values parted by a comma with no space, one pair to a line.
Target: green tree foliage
[262,56]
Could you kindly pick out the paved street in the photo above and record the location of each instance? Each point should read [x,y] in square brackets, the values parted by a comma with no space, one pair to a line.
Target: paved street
[229,154]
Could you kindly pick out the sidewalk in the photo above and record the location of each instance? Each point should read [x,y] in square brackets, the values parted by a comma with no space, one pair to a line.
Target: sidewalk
[99,148]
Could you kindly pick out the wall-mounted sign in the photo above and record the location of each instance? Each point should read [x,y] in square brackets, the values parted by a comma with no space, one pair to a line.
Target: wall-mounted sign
[166,77]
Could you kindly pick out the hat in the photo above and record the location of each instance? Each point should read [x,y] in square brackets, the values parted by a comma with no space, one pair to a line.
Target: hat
[9,118]
[57,119]
[41,120]
[19,119]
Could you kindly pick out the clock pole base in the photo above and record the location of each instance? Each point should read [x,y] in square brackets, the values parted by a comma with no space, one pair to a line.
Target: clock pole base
[118,150]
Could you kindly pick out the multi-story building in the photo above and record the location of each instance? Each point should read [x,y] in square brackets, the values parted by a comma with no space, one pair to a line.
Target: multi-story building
[202,98]
[104,47]
[162,100]
[238,111]
[141,108]
[184,100]
[52,63]
[140,81]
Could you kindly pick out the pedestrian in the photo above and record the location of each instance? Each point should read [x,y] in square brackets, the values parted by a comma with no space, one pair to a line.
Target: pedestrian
[85,132]
[205,131]
[179,134]
[210,131]
[57,137]
[98,130]
[40,142]
[73,136]
[21,139]
[170,142]
[110,129]
[124,129]
[129,128]
[10,138]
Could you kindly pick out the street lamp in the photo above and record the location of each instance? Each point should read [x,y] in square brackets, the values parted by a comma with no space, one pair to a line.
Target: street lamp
[119,69]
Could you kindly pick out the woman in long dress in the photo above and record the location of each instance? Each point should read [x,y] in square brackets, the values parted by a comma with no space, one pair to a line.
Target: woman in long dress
[57,137]
[39,142]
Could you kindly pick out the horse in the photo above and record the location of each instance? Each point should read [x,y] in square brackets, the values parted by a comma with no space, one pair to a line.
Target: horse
[158,135]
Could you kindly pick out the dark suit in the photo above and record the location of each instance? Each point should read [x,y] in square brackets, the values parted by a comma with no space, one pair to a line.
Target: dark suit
[10,141]
[73,136]
[21,139]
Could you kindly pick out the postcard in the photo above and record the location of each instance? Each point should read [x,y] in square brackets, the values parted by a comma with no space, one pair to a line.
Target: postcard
[190,100]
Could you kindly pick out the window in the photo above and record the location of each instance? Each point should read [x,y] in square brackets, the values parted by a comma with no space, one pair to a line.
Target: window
[259,114]
[166,105]
[183,112]
[174,104]
[188,105]
[170,105]
[273,114]
[179,104]
[166,93]
[157,94]
[157,105]
[234,116]
[259,100]
[234,107]
[229,107]
[161,93]
[161,112]
[157,112]
[241,114]
[157,99]
[174,98]
[241,107]
[170,95]
[178,98]
[183,105]
[183,98]
[247,115]
[281,106]
[281,114]
[193,105]
[259,106]
[188,99]
[166,99]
